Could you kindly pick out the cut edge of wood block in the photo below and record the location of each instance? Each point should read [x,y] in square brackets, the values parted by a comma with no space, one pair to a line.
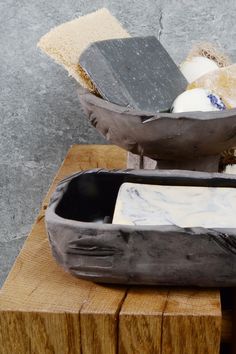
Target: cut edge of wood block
[140,320]
[37,243]
[99,320]
[194,315]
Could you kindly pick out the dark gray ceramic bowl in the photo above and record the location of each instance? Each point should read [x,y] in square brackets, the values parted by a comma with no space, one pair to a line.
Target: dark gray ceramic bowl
[152,255]
[180,140]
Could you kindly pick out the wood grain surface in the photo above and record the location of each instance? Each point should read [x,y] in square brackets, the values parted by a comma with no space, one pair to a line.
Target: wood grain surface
[45,310]
[140,325]
[39,302]
[190,317]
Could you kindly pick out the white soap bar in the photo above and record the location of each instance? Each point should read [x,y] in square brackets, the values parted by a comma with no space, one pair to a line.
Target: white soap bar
[197,66]
[184,206]
[197,99]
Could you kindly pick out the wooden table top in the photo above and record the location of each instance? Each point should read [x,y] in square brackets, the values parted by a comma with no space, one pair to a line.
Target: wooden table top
[43,309]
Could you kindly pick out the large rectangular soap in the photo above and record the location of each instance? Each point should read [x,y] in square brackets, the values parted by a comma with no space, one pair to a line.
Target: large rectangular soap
[184,206]
[134,72]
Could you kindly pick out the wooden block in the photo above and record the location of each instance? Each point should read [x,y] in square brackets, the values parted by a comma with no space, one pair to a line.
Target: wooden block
[99,319]
[140,321]
[45,310]
[192,322]
[35,332]
[34,307]
[40,302]
[171,321]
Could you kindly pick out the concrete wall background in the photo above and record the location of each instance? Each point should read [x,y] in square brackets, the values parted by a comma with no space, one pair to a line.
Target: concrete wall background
[40,116]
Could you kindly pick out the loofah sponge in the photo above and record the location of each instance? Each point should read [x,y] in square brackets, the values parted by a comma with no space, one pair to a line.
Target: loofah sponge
[66,42]
[209,51]
[222,82]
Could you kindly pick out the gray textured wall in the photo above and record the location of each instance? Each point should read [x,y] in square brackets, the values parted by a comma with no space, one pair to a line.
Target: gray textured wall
[40,116]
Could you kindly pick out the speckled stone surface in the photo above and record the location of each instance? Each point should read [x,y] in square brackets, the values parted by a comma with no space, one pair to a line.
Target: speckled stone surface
[40,116]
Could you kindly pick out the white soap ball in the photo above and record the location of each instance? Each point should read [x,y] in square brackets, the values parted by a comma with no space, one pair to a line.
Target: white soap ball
[196,67]
[197,99]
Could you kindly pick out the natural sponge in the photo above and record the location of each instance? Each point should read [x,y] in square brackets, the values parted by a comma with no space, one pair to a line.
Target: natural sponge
[208,50]
[66,42]
[222,82]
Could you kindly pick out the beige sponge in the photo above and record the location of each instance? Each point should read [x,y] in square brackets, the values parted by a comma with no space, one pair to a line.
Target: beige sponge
[222,82]
[209,51]
[66,42]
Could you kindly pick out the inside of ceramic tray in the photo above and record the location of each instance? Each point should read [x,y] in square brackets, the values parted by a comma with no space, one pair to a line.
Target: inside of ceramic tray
[121,198]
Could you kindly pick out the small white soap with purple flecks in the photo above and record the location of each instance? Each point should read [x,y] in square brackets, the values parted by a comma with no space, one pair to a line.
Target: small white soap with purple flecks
[183,206]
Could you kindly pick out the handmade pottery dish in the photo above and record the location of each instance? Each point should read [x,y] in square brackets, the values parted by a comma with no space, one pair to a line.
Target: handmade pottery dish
[88,247]
[188,140]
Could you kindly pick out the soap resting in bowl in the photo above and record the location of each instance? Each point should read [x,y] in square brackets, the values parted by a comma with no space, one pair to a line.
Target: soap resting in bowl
[150,255]
[188,140]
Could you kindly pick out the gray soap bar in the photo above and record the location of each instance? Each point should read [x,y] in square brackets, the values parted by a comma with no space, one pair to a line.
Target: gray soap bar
[135,72]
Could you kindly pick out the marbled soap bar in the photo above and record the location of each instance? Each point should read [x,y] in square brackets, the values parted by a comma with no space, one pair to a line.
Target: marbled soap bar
[184,206]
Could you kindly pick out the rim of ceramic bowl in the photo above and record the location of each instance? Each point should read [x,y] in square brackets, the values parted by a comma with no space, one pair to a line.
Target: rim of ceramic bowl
[196,115]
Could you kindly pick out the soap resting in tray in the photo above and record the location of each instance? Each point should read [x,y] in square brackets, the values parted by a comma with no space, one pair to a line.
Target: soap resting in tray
[183,206]
[140,254]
